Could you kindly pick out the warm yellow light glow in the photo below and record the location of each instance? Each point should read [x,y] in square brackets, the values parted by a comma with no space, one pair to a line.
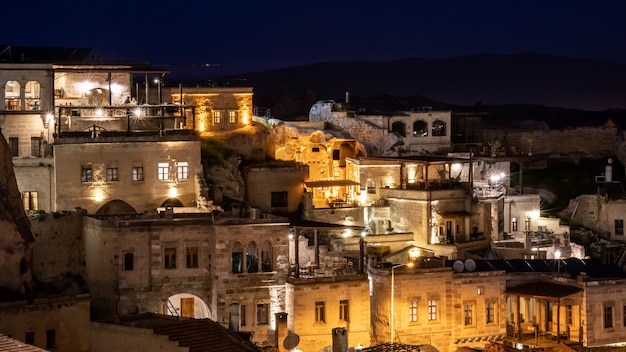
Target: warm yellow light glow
[456,167]
[172,192]
[49,117]
[137,112]
[246,117]
[414,253]
[410,172]
[201,127]
[98,195]
[99,112]
[116,88]
[533,214]
[409,264]
[557,254]
[85,86]
[362,197]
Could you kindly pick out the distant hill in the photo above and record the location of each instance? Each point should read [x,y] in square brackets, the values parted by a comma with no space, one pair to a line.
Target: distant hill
[475,80]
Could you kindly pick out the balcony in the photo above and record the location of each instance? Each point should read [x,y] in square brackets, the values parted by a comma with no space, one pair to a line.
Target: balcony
[95,120]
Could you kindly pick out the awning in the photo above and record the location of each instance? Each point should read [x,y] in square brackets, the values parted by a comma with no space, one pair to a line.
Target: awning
[330,183]
[544,290]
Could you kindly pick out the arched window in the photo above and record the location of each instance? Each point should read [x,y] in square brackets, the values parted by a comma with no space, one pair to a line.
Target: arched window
[399,128]
[237,258]
[252,258]
[266,257]
[32,95]
[420,129]
[439,128]
[12,96]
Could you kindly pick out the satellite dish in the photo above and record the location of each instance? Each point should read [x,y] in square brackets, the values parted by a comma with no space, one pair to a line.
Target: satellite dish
[291,341]
[458,266]
[470,265]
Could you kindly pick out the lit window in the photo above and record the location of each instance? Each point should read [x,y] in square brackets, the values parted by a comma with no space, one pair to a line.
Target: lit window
[371,187]
[344,309]
[169,258]
[608,317]
[30,200]
[137,173]
[232,117]
[35,146]
[14,146]
[467,313]
[490,312]
[86,174]
[320,312]
[12,96]
[413,311]
[262,313]
[420,129]
[514,224]
[129,261]
[32,97]
[192,257]
[439,128]
[163,171]
[183,170]
[217,117]
[112,174]
[432,309]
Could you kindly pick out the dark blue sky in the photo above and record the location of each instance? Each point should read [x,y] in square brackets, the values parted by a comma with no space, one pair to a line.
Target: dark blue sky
[245,36]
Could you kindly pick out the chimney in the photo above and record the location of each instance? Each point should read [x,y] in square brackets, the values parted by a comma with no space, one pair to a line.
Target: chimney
[347,97]
[340,340]
[281,331]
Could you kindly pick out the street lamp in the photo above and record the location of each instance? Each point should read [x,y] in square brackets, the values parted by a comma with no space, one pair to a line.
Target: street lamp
[393,283]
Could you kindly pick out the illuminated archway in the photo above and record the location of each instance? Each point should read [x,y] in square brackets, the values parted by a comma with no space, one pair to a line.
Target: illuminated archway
[116,206]
[172,202]
[186,305]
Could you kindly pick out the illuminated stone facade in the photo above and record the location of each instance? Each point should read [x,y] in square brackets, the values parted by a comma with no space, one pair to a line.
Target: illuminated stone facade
[217,109]
[190,264]
[127,175]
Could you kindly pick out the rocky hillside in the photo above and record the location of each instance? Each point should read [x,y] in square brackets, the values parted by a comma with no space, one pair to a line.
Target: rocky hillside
[16,238]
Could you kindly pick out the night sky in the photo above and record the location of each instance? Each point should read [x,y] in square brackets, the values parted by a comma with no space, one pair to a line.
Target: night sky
[247,36]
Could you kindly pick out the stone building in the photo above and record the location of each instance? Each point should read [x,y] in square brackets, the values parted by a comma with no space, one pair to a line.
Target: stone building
[216,109]
[127,174]
[203,265]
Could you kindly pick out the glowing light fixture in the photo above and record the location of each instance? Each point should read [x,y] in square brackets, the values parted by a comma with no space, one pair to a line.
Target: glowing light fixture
[137,112]
[99,112]
[98,195]
[172,193]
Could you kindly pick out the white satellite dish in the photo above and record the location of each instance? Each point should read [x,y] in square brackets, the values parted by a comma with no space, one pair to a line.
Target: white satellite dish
[470,265]
[458,266]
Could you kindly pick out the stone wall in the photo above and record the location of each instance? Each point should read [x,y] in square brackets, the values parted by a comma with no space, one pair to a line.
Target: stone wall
[375,139]
[58,249]
[304,295]
[587,142]
[67,316]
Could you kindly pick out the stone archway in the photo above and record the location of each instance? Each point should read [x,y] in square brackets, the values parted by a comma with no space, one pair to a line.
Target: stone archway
[116,206]
[186,305]
[172,202]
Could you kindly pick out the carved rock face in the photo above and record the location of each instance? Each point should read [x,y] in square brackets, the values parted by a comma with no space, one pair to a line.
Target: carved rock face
[16,238]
